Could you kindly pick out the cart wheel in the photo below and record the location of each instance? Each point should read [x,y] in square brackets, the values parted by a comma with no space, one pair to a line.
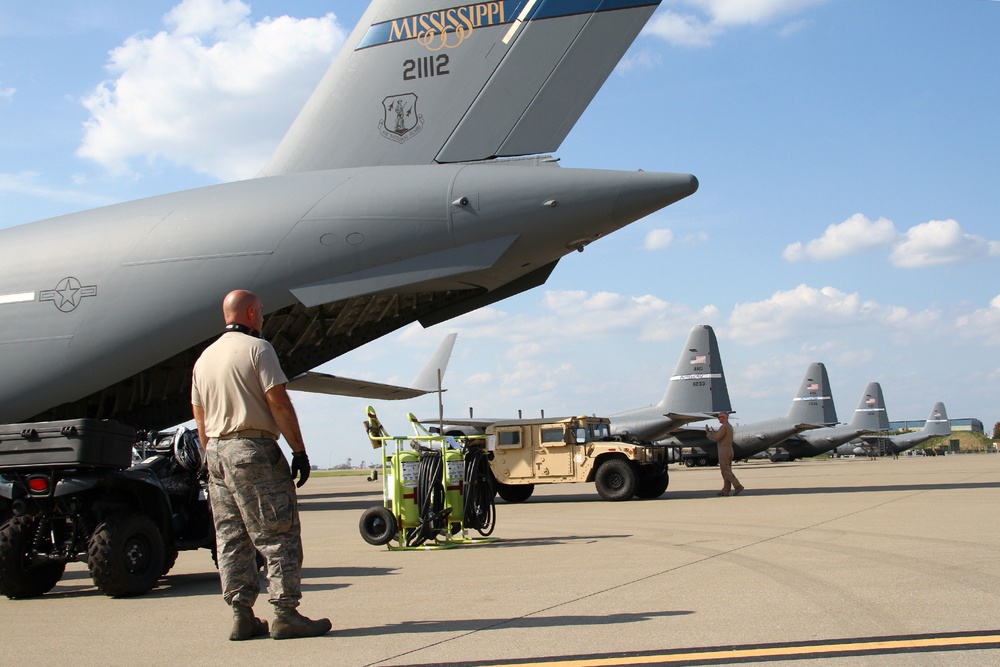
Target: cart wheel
[378,526]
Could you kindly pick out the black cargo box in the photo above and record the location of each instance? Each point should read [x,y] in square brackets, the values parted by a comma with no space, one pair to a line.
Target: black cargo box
[73,443]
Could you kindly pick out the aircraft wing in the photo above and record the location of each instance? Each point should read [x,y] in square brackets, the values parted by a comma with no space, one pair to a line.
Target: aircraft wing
[426,81]
[874,437]
[808,427]
[688,437]
[477,423]
[426,381]
[680,420]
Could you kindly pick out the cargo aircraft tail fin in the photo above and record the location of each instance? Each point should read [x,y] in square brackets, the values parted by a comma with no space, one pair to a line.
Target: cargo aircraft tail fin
[937,423]
[430,81]
[813,404]
[698,386]
[696,391]
[870,414]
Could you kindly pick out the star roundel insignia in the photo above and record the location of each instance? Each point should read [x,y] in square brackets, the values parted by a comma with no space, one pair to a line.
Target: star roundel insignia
[68,294]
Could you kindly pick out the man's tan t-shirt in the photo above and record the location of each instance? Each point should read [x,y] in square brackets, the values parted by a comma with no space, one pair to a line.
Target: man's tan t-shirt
[230,381]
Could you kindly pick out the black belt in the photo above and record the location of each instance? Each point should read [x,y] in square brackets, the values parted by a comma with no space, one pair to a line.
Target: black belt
[248,433]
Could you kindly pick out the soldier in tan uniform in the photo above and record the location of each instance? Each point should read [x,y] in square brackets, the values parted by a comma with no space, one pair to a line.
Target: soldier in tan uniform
[240,403]
[724,436]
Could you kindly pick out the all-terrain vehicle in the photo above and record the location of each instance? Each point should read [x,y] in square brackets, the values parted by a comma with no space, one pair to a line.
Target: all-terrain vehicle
[72,493]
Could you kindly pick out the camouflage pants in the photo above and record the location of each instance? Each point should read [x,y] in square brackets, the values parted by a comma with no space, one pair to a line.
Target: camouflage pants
[254,505]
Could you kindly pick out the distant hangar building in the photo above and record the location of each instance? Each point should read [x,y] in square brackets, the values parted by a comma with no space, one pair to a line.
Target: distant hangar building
[965,424]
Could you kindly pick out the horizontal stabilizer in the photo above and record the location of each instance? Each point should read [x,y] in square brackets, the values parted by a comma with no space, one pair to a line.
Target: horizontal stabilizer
[478,424]
[426,381]
[321,383]
[405,273]
[682,419]
[808,427]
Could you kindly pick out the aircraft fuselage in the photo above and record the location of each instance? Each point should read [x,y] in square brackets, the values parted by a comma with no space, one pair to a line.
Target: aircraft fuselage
[91,298]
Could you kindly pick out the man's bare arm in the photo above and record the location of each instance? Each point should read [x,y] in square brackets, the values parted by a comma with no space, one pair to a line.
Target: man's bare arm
[199,417]
[284,414]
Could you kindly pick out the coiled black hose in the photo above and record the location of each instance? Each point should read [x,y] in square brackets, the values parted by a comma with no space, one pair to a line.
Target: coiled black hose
[479,509]
[430,496]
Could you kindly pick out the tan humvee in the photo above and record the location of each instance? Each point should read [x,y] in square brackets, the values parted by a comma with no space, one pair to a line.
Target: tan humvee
[572,449]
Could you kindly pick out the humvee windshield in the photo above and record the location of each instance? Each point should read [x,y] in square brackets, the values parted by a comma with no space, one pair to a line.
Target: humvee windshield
[592,432]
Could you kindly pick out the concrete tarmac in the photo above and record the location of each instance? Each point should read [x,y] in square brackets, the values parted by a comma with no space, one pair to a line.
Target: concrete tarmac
[841,562]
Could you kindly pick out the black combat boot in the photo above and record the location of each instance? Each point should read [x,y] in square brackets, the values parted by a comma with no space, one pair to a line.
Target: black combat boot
[245,624]
[290,624]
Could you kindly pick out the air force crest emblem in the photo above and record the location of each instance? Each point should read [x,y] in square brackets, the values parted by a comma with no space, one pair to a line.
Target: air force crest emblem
[401,119]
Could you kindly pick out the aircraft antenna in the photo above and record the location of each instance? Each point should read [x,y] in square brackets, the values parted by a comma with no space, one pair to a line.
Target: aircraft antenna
[440,393]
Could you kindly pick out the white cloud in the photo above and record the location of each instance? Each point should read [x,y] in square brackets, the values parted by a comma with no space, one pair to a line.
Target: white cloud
[934,243]
[480,379]
[794,27]
[583,315]
[642,59]
[568,316]
[695,238]
[658,239]
[204,17]
[213,91]
[682,29]
[740,12]
[855,235]
[26,184]
[941,242]
[983,323]
[807,311]
[532,377]
[714,17]
[7,93]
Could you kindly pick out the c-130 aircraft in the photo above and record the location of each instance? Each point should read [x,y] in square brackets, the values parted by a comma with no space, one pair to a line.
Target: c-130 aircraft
[395,197]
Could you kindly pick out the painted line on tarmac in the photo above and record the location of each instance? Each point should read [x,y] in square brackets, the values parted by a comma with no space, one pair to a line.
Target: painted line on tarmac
[665,655]
[834,648]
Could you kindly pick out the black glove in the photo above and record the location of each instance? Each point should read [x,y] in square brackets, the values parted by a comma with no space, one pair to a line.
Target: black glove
[300,467]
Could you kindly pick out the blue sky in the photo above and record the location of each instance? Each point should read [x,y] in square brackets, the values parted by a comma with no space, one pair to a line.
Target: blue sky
[847,152]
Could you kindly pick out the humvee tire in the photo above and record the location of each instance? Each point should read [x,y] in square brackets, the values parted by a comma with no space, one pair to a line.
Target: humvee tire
[652,486]
[616,480]
[514,493]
